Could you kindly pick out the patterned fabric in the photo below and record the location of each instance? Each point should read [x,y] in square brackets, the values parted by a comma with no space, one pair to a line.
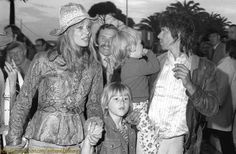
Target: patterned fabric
[168,106]
[148,134]
[61,101]
[109,69]
[124,132]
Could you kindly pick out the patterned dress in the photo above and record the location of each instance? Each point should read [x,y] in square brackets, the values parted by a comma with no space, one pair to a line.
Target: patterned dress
[62,98]
[148,135]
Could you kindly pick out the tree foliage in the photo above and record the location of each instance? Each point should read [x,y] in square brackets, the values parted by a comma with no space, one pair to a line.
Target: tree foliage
[202,20]
[104,8]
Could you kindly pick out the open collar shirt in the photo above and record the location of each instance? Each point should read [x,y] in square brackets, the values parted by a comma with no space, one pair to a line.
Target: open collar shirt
[168,106]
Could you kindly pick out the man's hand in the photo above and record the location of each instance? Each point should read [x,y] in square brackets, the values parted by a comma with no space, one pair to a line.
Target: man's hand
[183,73]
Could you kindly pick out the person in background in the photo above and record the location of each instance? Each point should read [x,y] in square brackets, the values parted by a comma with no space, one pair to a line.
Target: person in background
[103,49]
[232,32]
[184,91]
[217,51]
[119,136]
[42,45]
[4,41]
[69,82]
[17,35]
[16,51]
[219,126]
[136,64]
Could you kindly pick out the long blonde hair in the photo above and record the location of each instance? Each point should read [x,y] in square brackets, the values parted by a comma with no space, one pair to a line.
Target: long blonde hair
[73,54]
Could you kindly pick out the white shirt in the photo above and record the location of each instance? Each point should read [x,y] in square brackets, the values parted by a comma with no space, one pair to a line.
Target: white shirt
[168,106]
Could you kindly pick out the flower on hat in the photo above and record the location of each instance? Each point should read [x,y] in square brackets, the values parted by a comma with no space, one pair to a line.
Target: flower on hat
[70,14]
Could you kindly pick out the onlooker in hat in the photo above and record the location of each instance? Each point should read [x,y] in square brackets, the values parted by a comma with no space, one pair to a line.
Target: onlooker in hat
[69,82]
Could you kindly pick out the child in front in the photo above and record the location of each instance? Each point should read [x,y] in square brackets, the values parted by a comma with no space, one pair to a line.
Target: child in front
[119,137]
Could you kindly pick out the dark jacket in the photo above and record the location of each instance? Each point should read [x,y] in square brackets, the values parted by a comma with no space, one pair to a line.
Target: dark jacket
[113,142]
[203,102]
[218,53]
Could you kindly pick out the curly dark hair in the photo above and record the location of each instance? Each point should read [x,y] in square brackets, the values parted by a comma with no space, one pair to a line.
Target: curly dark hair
[181,27]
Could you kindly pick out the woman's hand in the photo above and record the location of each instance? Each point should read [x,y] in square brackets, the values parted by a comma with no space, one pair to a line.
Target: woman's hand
[93,130]
[94,133]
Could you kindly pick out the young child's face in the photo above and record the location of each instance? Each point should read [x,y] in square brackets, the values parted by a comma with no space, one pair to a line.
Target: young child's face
[138,52]
[119,105]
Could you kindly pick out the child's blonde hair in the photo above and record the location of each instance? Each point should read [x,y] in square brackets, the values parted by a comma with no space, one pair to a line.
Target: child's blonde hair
[123,43]
[112,89]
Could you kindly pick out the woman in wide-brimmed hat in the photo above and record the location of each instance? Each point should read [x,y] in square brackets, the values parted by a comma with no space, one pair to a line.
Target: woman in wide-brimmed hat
[66,78]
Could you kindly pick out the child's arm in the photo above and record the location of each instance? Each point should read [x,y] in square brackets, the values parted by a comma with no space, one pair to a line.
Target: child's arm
[140,67]
[93,131]
[152,63]
[87,148]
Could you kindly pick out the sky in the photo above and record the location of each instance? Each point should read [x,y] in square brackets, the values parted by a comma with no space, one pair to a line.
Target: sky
[37,18]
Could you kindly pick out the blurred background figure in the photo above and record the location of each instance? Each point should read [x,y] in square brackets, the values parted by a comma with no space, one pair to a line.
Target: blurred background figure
[16,66]
[16,51]
[42,45]
[218,48]
[4,41]
[17,35]
[220,126]
[232,32]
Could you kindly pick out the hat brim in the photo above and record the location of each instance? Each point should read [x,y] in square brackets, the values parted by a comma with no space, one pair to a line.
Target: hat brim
[4,40]
[76,20]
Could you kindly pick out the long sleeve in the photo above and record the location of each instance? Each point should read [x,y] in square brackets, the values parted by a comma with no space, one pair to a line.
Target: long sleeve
[93,105]
[205,97]
[139,67]
[223,86]
[23,103]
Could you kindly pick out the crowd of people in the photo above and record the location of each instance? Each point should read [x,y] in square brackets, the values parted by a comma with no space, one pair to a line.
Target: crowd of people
[98,90]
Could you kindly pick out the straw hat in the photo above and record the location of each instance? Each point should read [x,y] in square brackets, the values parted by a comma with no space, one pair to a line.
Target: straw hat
[70,14]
